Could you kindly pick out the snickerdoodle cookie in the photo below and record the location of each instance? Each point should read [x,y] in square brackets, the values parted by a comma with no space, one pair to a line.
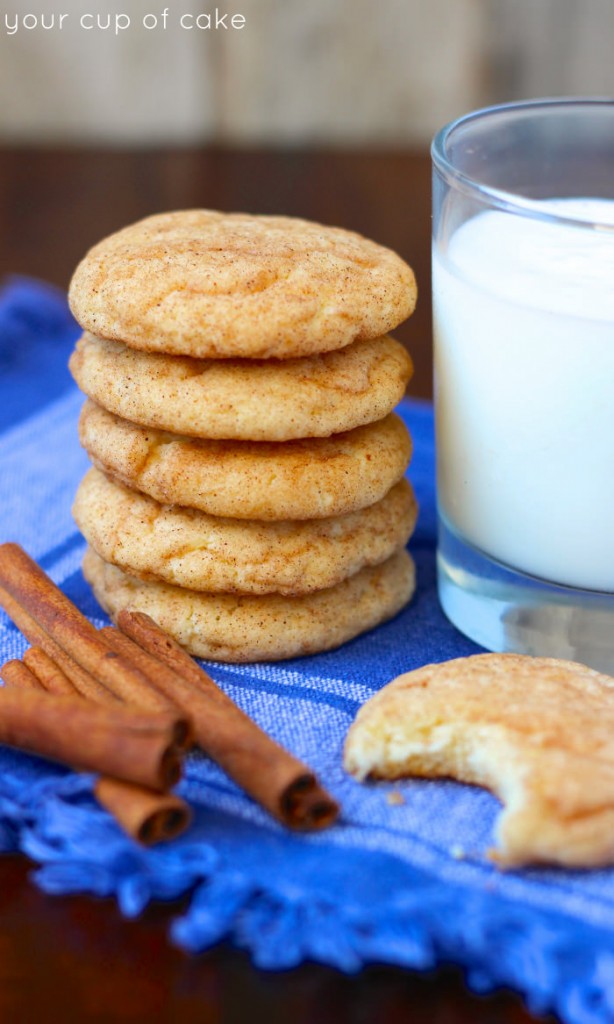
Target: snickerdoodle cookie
[218,285]
[238,556]
[306,479]
[251,400]
[539,732]
[223,627]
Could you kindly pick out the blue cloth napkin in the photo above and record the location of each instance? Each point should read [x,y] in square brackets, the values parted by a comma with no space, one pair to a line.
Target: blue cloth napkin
[386,883]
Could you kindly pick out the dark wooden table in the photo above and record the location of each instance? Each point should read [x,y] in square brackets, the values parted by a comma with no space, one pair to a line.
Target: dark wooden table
[75,959]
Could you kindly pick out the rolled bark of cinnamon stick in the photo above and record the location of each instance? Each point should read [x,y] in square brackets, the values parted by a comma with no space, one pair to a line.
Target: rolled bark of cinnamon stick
[49,675]
[147,817]
[271,775]
[119,742]
[26,583]
[144,815]
[18,676]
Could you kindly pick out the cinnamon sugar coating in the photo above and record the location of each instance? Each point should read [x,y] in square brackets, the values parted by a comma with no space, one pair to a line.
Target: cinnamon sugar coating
[227,285]
[240,556]
[250,400]
[306,479]
[225,627]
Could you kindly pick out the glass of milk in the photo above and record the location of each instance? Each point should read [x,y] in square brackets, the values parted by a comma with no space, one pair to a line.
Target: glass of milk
[523,302]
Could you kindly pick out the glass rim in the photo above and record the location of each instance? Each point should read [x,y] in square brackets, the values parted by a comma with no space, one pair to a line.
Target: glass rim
[503,199]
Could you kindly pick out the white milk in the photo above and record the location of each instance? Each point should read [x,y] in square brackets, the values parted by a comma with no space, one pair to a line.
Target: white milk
[524,364]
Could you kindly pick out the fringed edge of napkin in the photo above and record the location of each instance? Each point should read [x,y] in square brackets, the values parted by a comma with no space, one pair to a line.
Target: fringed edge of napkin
[557,965]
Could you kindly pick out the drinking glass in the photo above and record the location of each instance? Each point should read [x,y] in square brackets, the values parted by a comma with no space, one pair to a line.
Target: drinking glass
[523,303]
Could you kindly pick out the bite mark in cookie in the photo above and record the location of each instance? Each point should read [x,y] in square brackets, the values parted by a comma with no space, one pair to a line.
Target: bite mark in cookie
[538,732]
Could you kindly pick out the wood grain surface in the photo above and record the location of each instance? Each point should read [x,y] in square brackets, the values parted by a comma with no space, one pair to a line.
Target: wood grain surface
[334,70]
[75,959]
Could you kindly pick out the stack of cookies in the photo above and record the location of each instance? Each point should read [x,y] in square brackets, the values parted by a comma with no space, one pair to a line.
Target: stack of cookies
[248,490]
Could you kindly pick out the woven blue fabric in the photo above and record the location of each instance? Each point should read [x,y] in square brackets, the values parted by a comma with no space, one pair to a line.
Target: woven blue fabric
[382,885]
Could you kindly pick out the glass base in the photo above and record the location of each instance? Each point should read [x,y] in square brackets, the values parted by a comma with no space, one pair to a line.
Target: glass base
[505,610]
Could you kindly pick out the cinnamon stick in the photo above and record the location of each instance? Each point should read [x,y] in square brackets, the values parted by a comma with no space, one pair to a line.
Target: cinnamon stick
[147,817]
[144,815]
[26,583]
[83,682]
[125,744]
[270,774]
